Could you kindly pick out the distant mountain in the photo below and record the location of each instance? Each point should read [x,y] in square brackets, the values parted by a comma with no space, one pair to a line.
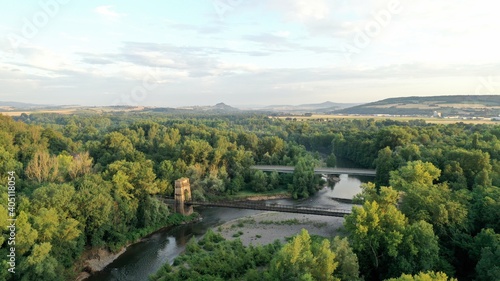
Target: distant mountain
[220,107]
[456,105]
[12,105]
[323,107]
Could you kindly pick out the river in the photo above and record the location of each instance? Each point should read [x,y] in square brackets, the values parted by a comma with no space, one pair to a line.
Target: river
[146,257]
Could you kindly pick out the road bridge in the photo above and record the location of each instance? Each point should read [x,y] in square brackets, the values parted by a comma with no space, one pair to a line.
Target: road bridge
[318,170]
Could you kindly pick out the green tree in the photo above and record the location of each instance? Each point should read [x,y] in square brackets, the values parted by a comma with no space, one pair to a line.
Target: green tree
[348,266]
[487,244]
[385,242]
[94,207]
[296,260]
[274,180]
[259,181]
[384,165]
[393,137]
[485,208]
[305,183]
[428,276]
[423,200]
[472,162]
[26,235]
[454,175]
[331,160]
[196,151]
[40,265]
[47,223]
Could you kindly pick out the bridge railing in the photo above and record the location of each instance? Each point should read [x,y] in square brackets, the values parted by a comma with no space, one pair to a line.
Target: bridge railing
[272,207]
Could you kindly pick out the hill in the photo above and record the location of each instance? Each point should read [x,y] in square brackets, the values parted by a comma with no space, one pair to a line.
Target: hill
[11,105]
[219,108]
[324,107]
[457,105]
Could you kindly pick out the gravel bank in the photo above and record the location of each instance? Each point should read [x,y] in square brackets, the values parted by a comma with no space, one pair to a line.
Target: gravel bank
[266,227]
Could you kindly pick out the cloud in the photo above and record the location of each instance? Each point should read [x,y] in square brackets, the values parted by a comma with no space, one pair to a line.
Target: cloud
[108,12]
[204,29]
[270,39]
[302,10]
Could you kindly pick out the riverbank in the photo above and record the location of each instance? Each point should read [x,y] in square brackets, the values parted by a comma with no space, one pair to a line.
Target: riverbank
[258,196]
[266,227]
[96,259]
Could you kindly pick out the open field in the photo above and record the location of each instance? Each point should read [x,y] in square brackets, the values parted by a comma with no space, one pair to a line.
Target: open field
[75,110]
[434,106]
[426,119]
[18,113]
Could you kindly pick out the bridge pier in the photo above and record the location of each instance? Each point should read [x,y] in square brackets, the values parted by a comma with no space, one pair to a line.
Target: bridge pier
[182,194]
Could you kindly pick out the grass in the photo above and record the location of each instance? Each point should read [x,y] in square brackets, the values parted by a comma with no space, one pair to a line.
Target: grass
[247,193]
[283,222]
[319,224]
[237,234]
[247,220]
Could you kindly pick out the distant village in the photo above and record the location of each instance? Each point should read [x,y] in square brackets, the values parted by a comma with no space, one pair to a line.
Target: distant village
[436,114]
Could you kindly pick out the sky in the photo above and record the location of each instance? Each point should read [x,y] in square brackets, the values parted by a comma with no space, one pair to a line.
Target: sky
[245,52]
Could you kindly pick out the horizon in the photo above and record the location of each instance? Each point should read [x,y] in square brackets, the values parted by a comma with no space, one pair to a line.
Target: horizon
[240,52]
[238,106]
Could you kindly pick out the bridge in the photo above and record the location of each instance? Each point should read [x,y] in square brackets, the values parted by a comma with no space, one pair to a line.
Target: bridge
[256,205]
[183,204]
[319,170]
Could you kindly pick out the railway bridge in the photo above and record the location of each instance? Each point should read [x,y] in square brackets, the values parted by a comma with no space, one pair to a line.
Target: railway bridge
[183,204]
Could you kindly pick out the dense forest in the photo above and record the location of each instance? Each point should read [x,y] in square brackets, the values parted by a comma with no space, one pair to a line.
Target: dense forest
[87,181]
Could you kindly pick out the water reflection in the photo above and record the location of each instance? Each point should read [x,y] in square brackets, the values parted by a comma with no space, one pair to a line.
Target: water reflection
[348,186]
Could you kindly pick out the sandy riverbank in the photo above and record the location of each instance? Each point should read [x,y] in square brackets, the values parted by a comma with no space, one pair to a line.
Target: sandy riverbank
[266,227]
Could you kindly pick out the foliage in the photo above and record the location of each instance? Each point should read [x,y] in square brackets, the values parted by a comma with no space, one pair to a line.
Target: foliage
[299,259]
[305,183]
[348,266]
[213,258]
[385,242]
[93,180]
[428,276]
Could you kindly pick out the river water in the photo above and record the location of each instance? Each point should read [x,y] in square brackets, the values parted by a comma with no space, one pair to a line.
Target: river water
[145,258]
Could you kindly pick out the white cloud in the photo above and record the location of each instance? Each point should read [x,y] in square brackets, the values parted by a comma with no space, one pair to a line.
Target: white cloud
[285,34]
[302,10]
[108,12]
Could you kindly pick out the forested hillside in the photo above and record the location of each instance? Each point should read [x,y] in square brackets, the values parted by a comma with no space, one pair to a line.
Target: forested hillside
[459,105]
[92,181]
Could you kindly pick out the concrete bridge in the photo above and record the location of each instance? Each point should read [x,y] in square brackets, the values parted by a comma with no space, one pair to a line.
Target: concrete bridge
[318,170]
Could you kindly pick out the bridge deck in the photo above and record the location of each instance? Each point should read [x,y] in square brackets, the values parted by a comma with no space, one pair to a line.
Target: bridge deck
[274,207]
[318,170]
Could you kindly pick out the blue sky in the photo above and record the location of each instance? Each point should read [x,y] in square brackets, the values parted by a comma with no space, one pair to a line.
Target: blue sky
[243,52]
